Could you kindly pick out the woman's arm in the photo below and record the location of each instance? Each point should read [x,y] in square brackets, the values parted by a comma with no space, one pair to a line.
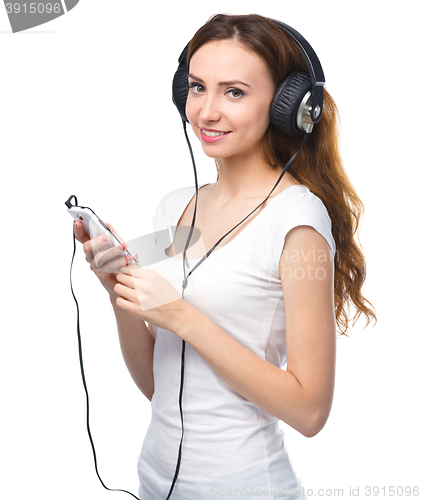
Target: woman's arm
[302,395]
[137,346]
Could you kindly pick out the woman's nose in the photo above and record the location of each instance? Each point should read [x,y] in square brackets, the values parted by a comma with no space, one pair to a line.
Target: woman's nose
[210,109]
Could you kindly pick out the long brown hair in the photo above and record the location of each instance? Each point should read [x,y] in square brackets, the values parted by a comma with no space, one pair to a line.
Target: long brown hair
[318,166]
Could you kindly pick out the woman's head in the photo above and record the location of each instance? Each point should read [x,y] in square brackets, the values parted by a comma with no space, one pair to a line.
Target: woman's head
[230,93]
[265,53]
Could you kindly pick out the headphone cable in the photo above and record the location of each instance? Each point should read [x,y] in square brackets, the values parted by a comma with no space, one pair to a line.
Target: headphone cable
[84,378]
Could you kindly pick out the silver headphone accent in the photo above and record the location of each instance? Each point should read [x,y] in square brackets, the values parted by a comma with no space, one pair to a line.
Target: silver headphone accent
[304,121]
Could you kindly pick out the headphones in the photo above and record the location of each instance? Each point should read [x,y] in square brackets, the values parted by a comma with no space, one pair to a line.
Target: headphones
[298,102]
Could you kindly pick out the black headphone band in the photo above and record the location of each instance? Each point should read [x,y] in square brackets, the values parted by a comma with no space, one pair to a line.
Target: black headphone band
[313,64]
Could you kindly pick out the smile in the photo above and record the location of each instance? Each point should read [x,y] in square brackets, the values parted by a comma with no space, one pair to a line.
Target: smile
[212,135]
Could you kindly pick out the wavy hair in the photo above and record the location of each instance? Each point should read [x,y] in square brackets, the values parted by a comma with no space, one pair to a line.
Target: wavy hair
[319,165]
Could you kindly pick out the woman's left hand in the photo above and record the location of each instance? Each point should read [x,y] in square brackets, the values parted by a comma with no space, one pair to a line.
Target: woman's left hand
[149,296]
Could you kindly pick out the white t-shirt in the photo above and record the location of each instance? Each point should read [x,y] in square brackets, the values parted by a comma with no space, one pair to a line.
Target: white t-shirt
[231,447]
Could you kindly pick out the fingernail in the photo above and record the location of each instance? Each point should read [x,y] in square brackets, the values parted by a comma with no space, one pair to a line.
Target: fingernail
[128,258]
[104,238]
[122,246]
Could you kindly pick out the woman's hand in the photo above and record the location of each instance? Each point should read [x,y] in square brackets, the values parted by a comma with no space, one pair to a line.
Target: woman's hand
[149,296]
[104,261]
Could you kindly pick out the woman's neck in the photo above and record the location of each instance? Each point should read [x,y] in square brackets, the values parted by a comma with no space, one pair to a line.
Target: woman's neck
[240,180]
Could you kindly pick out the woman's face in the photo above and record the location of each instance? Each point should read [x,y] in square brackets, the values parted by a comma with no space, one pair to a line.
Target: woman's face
[229,98]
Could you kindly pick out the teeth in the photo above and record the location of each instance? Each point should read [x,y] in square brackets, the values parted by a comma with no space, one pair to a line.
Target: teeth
[212,134]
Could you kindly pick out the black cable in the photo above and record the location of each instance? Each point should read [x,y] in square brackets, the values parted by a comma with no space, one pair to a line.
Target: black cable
[177,467]
[84,379]
[183,349]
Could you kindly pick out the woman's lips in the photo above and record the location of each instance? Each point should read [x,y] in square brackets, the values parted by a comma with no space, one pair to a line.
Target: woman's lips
[212,135]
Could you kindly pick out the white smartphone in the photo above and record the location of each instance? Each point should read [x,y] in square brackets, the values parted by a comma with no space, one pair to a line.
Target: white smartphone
[93,225]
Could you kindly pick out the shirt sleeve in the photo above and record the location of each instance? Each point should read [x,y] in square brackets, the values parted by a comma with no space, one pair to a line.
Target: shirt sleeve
[169,206]
[157,220]
[300,209]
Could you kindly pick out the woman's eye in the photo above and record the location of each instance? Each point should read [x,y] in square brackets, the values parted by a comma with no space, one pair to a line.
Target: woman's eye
[197,88]
[236,93]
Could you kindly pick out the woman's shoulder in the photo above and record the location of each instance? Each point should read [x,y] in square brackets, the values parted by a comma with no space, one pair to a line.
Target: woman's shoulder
[174,198]
[299,200]
[176,194]
[299,206]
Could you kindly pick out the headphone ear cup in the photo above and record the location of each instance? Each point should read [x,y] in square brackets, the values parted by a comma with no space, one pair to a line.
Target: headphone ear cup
[180,90]
[287,100]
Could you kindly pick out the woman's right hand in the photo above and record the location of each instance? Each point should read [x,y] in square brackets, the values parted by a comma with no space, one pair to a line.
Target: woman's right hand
[105,262]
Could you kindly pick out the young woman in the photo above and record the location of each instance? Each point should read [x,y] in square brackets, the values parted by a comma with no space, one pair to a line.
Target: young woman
[277,285]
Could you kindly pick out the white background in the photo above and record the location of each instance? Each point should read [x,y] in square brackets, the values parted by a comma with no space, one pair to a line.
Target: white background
[86,109]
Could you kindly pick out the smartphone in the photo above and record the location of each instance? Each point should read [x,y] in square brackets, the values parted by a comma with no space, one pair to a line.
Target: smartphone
[94,226]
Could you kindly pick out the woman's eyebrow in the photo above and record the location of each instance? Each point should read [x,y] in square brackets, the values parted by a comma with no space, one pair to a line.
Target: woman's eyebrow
[231,82]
